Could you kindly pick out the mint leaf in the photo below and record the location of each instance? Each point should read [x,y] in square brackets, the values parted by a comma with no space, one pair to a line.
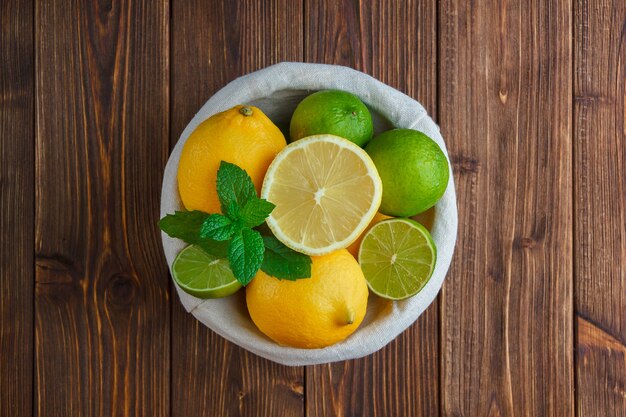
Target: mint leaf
[284,263]
[217,227]
[230,234]
[183,225]
[213,247]
[255,211]
[233,185]
[186,225]
[245,254]
[233,211]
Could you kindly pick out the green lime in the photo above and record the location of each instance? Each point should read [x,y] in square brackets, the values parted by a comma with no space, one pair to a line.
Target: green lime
[203,275]
[332,112]
[397,257]
[413,168]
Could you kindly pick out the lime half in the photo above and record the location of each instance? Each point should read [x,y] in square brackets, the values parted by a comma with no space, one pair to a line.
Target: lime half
[397,257]
[203,275]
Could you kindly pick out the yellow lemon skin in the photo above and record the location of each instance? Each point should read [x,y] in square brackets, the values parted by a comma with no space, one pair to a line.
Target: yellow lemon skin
[244,136]
[354,247]
[314,312]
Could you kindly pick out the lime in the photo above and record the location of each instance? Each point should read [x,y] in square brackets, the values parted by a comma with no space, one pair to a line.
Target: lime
[413,168]
[397,257]
[203,275]
[332,112]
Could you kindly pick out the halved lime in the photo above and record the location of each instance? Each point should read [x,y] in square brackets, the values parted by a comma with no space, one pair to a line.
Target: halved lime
[397,257]
[203,275]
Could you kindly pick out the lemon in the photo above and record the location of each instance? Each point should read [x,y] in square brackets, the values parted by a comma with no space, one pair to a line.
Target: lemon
[398,257]
[332,112]
[314,312]
[326,191]
[354,247]
[243,136]
[413,168]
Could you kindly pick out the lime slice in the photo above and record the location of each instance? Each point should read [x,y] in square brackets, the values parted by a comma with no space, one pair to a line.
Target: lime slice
[397,257]
[203,275]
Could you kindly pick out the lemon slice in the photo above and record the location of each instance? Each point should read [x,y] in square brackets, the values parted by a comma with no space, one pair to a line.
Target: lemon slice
[326,190]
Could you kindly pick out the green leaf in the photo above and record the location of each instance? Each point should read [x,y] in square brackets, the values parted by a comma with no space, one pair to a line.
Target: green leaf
[186,225]
[233,185]
[215,248]
[245,254]
[284,263]
[217,227]
[255,212]
[233,211]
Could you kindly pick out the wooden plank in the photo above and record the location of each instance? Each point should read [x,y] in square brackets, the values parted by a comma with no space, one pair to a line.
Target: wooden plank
[102,304]
[396,43]
[600,206]
[505,110]
[17,170]
[213,42]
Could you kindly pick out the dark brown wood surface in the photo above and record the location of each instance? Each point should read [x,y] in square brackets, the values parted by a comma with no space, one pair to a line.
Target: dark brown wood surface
[530,97]
[600,207]
[102,336]
[17,170]
[505,110]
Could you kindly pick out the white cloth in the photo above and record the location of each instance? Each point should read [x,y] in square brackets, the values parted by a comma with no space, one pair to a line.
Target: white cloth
[277,90]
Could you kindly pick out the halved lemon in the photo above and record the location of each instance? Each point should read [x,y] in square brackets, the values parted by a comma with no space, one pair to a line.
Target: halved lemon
[326,190]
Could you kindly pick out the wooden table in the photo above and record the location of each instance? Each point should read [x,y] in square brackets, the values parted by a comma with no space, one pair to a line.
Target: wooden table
[530,97]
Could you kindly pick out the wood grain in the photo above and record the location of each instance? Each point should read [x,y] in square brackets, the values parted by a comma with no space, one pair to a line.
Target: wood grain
[600,206]
[17,137]
[396,43]
[213,42]
[102,304]
[505,110]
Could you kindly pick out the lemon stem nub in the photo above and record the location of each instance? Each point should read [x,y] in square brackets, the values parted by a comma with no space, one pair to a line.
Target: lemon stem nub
[246,111]
[350,317]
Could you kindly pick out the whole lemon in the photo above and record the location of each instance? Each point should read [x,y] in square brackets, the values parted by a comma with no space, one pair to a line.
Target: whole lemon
[243,136]
[314,312]
[413,168]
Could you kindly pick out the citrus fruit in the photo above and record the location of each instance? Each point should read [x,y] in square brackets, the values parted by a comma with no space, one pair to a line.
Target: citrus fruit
[413,168]
[243,136]
[326,191]
[354,247]
[314,312]
[203,275]
[332,112]
[397,257]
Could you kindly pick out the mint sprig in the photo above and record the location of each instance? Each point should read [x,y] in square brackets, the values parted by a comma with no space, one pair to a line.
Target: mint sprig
[232,235]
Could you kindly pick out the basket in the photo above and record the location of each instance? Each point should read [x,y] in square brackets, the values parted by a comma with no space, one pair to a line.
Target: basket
[277,90]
